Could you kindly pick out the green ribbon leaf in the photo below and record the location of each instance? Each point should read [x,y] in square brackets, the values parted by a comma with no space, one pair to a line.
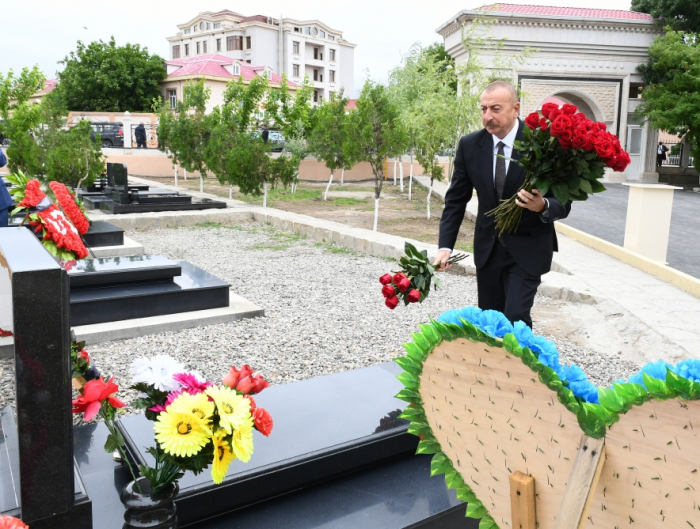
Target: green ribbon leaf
[611,400]
[409,380]
[658,389]
[428,446]
[415,352]
[422,342]
[409,364]
[475,509]
[409,395]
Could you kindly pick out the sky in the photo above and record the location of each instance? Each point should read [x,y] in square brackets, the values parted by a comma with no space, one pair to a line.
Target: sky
[43,32]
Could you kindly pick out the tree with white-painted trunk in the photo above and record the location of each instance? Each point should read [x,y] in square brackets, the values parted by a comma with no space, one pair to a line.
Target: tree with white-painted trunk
[375,131]
[328,135]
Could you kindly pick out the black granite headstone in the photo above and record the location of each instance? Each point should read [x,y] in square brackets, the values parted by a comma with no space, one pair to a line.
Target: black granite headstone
[34,306]
[120,175]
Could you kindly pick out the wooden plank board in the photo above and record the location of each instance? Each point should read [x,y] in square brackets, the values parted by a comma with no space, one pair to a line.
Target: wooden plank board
[573,511]
[522,501]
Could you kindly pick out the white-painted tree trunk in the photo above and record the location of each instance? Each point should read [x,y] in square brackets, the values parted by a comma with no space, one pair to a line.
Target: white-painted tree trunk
[201,184]
[176,176]
[376,213]
[342,175]
[401,171]
[264,194]
[410,178]
[325,197]
[394,171]
[449,166]
[430,192]
[185,173]
[230,191]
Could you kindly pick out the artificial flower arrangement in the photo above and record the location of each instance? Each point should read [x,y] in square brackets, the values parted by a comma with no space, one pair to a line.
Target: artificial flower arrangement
[565,152]
[412,283]
[58,235]
[10,522]
[69,204]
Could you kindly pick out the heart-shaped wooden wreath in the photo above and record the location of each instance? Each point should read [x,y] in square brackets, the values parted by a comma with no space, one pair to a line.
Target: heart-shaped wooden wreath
[488,407]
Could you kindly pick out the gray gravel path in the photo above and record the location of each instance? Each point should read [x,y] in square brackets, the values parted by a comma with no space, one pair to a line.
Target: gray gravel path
[324,311]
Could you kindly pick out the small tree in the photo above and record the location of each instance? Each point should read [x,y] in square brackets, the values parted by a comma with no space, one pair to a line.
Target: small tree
[328,136]
[374,132]
[184,134]
[104,77]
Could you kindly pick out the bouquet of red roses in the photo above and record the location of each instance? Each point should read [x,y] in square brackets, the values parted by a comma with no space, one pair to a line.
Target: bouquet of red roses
[565,152]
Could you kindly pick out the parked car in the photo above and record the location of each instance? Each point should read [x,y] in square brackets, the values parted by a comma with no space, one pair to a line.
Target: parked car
[111,133]
[275,139]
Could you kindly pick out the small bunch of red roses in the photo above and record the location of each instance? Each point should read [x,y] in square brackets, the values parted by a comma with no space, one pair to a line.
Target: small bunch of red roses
[397,286]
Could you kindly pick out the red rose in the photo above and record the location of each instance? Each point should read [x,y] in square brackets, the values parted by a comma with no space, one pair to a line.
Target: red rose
[245,381]
[413,296]
[559,125]
[263,421]
[385,279]
[391,302]
[569,110]
[398,277]
[32,195]
[94,392]
[578,117]
[623,160]
[547,109]
[601,125]
[404,284]
[388,291]
[604,147]
[565,144]
[554,114]
[67,203]
[10,522]
[586,125]
[578,141]
[533,120]
[612,161]
[566,135]
[84,355]
[544,124]
[234,375]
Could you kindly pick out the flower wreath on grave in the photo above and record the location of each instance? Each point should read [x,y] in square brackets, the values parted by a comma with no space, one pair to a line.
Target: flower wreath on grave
[565,152]
[58,235]
[10,522]
[70,206]
[489,399]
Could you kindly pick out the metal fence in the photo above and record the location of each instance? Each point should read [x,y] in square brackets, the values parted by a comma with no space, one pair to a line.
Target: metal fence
[151,136]
[674,154]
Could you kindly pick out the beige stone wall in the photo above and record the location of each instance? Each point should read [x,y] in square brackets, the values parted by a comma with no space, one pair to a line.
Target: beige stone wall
[605,95]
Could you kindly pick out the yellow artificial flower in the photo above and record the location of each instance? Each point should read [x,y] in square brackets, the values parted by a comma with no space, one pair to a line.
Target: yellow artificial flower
[242,442]
[181,434]
[222,457]
[233,409]
[198,405]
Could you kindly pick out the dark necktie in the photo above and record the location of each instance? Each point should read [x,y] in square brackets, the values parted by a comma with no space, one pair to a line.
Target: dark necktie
[500,170]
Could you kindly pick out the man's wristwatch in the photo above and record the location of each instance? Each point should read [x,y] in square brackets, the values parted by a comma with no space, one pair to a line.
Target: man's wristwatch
[545,212]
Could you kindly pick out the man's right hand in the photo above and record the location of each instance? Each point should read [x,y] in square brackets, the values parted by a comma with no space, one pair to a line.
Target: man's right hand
[440,262]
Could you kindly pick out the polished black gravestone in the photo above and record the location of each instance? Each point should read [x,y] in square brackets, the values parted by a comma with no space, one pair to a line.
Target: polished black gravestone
[103,233]
[323,428]
[34,306]
[125,288]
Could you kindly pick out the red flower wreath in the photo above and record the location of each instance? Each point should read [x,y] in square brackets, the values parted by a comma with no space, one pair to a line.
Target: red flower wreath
[32,195]
[57,229]
[67,203]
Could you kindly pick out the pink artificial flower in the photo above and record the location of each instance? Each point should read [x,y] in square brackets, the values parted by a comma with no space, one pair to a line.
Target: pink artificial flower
[191,383]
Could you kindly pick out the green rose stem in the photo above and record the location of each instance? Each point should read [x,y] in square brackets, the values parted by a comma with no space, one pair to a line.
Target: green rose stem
[108,413]
[508,213]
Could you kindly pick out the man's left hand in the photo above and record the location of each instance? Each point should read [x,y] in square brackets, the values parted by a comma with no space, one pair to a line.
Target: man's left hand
[532,201]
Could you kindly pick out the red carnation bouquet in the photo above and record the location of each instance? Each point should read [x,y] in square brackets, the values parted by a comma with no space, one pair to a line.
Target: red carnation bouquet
[66,201]
[412,283]
[565,152]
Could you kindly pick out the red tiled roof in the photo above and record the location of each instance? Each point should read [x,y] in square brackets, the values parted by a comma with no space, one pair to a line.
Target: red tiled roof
[258,18]
[352,104]
[214,65]
[49,85]
[565,11]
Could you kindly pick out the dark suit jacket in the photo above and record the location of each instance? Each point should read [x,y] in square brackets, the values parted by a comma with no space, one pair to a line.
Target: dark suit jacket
[533,243]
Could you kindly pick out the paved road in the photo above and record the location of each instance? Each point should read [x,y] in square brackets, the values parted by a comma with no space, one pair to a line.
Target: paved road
[604,215]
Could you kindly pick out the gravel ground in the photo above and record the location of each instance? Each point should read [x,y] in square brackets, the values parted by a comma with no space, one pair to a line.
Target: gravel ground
[324,311]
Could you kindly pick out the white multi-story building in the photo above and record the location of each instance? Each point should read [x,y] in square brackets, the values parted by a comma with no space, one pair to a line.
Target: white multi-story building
[292,47]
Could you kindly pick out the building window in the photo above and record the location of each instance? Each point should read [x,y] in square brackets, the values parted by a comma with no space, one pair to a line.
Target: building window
[187,50]
[297,30]
[208,25]
[172,98]
[217,25]
[323,34]
[316,53]
[187,32]
[248,43]
[295,70]
[236,69]
[315,96]
[218,44]
[295,47]
[229,43]
[194,29]
[331,76]
[234,43]
[199,46]
[315,74]
[331,95]
[331,37]
[314,32]
[332,55]
[176,52]
[307,31]
[268,74]
[248,61]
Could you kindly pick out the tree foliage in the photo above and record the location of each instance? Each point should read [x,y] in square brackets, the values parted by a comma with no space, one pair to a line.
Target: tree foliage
[682,15]
[104,77]
[674,104]
[329,133]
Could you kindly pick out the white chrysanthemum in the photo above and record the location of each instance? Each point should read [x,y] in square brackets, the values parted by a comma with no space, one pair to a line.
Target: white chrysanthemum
[157,372]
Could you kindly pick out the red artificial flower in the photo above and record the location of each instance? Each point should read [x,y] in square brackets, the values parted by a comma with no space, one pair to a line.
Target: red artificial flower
[84,355]
[32,195]
[94,393]
[544,124]
[547,108]
[61,232]
[391,302]
[385,279]
[559,125]
[398,277]
[5,334]
[388,291]
[569,110]
[190,383]
[533,120]
[604,147]
[67,203]
[404,284]
[244,381]
[263,421]
[252,403]
[413,296]
[10,522]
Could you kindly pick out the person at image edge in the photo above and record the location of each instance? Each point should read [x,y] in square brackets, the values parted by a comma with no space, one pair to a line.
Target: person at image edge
[508,268]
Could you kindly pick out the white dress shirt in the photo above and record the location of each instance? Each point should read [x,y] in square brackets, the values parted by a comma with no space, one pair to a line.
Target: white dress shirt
[507,148]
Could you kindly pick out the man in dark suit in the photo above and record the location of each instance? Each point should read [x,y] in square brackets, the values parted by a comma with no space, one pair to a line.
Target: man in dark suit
[508,268]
